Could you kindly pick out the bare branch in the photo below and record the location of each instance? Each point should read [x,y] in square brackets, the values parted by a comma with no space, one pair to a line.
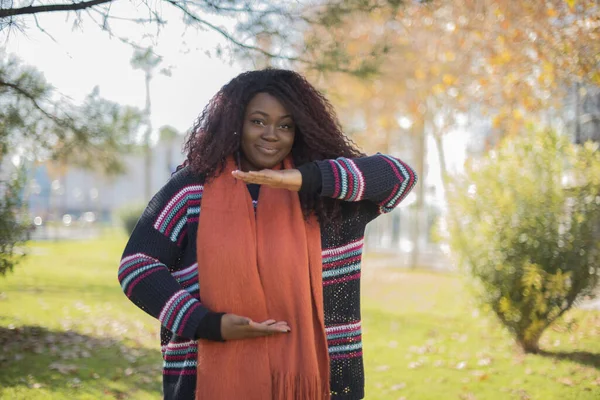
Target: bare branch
[230,38]
[37,23]
[245,9]
[33,100]
[156,18]
[9,12]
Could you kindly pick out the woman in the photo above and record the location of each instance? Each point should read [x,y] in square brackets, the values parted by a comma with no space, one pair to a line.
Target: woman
[250,255]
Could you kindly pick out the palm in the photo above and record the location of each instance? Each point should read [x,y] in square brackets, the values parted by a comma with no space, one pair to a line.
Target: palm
[234,327]
[289,179]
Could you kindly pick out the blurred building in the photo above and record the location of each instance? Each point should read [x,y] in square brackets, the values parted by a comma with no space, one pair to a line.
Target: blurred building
[393,234]
[74,193]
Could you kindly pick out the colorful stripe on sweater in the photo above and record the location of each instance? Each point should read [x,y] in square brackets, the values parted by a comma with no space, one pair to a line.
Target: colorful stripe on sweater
[183,207]
[349,181]
[180,358]
[188,279]
[344,341]
[135,268]
[342,264]
[407,179]
[177,311]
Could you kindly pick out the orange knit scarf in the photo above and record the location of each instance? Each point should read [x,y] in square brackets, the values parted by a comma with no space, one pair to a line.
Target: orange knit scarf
[262,266]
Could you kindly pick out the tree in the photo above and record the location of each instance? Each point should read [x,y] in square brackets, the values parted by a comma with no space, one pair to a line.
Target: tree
[13,229]
[530,214]
[168,136]
[35,119]
[147,61]
[37,124]
[508,61]
[451,61]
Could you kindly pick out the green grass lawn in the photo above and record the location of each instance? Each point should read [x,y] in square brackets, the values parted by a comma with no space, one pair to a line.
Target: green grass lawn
[68,332]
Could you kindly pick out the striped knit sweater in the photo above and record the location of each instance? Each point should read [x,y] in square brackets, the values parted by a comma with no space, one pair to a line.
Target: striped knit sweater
[159,273]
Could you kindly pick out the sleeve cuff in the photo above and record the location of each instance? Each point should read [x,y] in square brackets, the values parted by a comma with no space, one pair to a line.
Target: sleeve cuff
[328,179]
[209,327]
[311,178]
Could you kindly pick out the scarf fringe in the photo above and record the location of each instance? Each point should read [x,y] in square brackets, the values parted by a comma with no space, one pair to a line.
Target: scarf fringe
[287,386]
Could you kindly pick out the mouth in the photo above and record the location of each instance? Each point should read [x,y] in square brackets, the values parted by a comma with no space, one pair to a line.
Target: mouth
[270,151]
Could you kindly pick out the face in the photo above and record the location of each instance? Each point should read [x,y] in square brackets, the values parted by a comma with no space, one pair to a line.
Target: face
[268,133]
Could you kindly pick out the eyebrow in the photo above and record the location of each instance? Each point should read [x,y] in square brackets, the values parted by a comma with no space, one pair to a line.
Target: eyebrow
[267,115]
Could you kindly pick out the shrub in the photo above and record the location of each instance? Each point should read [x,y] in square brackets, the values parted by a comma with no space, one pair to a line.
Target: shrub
[526,227]
[13,225]
[129,215]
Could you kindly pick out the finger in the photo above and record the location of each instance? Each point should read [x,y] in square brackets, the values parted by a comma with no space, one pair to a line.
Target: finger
[278,327]
[272,176]
[274,328]
[264,176]
[241,175]
[251,178]
[256,327]
[266,332]
[268,322]
[283,327]
[281,323]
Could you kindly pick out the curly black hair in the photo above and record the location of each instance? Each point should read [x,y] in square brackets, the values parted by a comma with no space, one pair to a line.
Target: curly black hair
[318,132]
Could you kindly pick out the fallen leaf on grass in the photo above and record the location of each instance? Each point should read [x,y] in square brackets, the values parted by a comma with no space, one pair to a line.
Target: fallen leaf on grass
[566,381]
[63,368]
[75,383]
[523,394]
[484,362]
[481,375]
[415,364]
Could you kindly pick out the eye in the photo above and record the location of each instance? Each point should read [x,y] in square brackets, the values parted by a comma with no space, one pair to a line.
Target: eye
[257,122]
[286,126]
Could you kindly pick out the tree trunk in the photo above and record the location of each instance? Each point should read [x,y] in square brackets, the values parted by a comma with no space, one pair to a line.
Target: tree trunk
[419,213]
[578,139]
[147,148]
[437,137]
[529,345]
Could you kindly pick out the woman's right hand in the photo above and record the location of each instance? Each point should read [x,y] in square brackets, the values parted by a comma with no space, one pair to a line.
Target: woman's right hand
[234,327]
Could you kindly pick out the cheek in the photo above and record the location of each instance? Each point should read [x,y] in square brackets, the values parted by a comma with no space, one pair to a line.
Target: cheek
[249,134]
[290,139]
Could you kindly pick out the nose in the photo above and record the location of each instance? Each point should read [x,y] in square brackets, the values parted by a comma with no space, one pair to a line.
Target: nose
[270,133]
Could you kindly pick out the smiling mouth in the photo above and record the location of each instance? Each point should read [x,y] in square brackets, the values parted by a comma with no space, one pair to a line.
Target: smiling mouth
[267,150]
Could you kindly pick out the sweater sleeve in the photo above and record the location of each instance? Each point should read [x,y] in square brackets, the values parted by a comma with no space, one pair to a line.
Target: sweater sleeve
[155,245]
[380,179]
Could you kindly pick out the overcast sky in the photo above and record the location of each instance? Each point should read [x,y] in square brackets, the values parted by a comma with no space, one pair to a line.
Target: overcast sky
[82,58]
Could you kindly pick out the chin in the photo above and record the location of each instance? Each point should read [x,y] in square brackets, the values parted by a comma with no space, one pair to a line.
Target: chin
[268,163]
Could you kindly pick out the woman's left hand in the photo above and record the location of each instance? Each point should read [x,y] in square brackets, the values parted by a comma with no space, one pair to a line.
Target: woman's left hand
[290,179]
